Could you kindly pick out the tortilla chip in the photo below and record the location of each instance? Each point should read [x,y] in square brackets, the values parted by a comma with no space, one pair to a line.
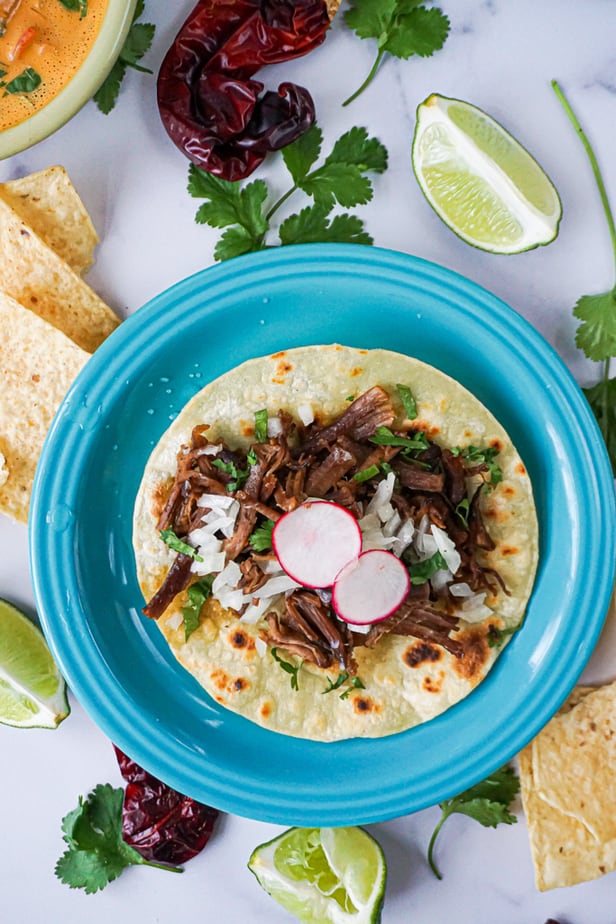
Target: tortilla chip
[34,275]
[50,204]
[37,365]
[568,779]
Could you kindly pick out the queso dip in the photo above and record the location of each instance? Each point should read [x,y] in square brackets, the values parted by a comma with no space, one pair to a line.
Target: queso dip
[43,43]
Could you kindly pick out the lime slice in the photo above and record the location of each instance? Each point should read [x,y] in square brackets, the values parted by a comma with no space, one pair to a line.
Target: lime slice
[32,691]
[482,183]
[324,875]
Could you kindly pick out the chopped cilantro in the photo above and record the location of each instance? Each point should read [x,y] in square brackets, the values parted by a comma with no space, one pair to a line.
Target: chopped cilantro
[251,457]
[422,571]
[178,545]
[497,636]
[408,401]
[385,437]
[26,82]
[261,425]
[487,802]
[261,538]
[291,669]
[76,6]
[356,684]
[197,595]
[474,456]
[462,511]
[238,475]
[367,473]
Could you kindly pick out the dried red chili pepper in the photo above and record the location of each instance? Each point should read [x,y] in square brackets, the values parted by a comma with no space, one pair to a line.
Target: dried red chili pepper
[159,822]
[211,108]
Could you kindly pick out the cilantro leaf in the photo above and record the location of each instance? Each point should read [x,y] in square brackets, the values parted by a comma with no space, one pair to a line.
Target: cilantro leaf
[366,474]
[138,42]
[76,6]
[230,206]
[602,400]
[303,153]
[475,456]
[488,802]
[197,595]
[312,225]
[356,684]
[596,335]
[356,147]
[422,571]
[408,401]
[96,853]
[402,28]
[335,182]
[261,537]
[178,545]
[385,437]
[106,96]
[261,418]
[292,669]
[26,82]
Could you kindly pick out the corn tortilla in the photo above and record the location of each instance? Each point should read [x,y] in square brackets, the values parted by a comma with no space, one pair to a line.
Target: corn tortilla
[406,681]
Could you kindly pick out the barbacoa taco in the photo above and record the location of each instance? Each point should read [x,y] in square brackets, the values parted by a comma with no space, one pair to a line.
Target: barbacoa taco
[429,476]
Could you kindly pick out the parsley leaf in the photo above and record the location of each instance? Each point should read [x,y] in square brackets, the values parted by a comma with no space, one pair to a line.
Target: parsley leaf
[178,545]
[96,853]
[76,6]
[261,537]
[26,82]
[197,595]
[341,179]
[402,28]
[487,802]
[291,669]
[596,335]
[138,42]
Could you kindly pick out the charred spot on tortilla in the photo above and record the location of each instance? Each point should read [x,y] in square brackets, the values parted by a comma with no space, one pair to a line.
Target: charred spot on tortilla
[412,490]
[421,652]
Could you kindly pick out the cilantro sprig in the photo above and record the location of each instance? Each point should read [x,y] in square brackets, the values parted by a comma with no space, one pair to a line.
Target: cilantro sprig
[178,545]
[473,455]
[76,6]
[292,669]
[402,28]
[354,683]
[197,593]
[596,335]
[27,82]
[138,42]
[487,802]
[96,853]
[342,179]
[261,538]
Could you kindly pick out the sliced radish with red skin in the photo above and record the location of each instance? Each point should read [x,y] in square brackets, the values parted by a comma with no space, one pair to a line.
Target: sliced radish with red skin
[315,541]
[370,589]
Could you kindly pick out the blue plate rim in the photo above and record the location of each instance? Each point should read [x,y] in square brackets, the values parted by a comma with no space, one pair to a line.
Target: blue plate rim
[151,321]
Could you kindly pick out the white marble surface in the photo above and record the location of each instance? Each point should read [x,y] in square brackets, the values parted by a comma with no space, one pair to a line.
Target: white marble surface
[501,56]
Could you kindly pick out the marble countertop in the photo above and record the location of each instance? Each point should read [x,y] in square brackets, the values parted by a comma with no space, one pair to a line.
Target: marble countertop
[500,56]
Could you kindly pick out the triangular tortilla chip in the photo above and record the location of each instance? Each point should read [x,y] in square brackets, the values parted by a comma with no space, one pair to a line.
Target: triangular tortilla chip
[34,275]
[37,365]
[50,204]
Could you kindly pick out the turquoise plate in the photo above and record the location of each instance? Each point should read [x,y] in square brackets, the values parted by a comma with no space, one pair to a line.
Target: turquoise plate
[87,595]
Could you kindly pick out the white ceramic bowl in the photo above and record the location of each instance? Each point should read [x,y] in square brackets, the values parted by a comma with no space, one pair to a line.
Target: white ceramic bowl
[81,88]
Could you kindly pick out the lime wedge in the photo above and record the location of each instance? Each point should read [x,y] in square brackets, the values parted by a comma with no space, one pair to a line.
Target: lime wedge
[483,184]
[324,875]
[32,691]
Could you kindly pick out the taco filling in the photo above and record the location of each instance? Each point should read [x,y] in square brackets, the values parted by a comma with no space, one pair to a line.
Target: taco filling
[450,500]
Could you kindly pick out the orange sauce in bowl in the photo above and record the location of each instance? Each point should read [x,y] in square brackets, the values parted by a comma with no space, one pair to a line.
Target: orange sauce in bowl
[48,42]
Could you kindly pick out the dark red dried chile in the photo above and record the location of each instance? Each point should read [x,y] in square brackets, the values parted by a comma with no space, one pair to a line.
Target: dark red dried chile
[159,822]
[211,108]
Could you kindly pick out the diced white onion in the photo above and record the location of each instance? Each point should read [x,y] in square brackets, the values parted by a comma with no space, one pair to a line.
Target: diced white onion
[447,548]
[305,414]
[275,585]
[212,449]
[230,598]
[211,564]
[460,590]
[271,566]
[391,526]
[274,427]
[477,614]
[214,501]
[380,503]
[363,630]
[228,577]
[403,538]
[174,621]
[255,611]
[441,578]
[204,540]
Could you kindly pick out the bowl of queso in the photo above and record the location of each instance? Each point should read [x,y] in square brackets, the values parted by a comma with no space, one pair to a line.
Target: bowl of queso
[54,55]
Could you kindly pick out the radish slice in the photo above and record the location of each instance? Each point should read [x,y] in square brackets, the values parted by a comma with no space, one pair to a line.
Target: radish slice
[370,589]
[314,541]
